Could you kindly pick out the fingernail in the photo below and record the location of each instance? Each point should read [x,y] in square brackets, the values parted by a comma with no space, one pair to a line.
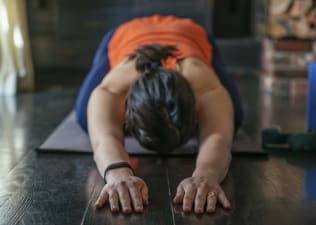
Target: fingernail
[187,210]
[139,209]
[98,204]
[176,200]
[127,210]
[199,211]
[211,210]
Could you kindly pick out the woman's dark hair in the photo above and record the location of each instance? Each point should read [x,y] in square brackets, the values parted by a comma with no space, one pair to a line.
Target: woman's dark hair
[160,106]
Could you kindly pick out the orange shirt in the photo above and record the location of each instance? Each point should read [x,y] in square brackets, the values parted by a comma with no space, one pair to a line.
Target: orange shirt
[190,38]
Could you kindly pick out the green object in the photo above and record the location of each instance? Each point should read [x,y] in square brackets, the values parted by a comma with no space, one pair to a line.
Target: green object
[275,139]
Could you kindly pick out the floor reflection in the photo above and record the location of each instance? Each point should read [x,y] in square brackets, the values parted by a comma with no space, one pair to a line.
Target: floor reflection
[264,110]
[13,119]
[287,112]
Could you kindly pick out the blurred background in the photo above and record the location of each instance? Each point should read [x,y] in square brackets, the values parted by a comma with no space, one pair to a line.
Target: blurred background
[48,43]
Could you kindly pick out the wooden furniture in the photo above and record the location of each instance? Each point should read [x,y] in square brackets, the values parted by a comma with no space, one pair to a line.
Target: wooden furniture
[291,18]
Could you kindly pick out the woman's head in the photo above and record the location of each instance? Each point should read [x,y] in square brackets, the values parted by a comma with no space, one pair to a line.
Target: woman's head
[160,107]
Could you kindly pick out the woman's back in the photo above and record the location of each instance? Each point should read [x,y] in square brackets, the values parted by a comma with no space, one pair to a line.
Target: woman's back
[190,39]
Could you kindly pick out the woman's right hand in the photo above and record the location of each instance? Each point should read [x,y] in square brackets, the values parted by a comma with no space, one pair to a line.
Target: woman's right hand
[122,188]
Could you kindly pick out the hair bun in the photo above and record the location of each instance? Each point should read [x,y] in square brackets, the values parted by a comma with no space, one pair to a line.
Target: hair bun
[149,56]
[155,65]
[152,67]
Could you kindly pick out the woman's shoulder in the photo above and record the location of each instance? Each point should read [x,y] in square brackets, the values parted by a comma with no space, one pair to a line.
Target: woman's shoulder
[200,76]
[119,79]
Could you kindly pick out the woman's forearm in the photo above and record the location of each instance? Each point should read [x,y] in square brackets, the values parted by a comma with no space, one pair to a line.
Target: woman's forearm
[214,158]
[105,124]
[123,191]
[216,134]
[109,151]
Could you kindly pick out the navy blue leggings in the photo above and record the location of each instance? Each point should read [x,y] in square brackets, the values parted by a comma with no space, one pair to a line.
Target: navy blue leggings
[101,66]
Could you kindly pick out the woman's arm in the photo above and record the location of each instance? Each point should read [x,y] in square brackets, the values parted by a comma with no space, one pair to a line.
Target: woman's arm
[215,115]
[106,111]
[215,133]
[105,125]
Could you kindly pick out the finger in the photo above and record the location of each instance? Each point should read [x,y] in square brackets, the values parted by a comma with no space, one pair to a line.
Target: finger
[188,199]
[224,200]
[102,199]
[136,199]
[124,198]
[179,195]
[211,203]
[200,200]
[114,201]
[144,191]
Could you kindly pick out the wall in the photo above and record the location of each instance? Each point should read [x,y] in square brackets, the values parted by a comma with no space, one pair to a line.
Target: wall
[65,33]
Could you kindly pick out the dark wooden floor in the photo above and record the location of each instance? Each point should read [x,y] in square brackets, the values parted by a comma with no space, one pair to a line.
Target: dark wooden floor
[37,188]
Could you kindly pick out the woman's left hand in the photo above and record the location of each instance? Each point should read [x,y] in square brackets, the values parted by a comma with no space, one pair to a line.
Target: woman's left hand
[200,191]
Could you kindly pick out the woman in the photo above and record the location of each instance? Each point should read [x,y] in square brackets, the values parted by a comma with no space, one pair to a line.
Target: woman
[161,88]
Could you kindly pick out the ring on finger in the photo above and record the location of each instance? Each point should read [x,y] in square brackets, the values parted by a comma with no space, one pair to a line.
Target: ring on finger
[212,194]
[190,197]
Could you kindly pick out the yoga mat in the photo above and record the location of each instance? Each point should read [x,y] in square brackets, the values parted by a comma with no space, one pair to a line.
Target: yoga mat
[69,137]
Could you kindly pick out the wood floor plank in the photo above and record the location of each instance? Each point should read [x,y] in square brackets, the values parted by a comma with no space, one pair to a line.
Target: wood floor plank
[262,191]
[153,171]
[45,189]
